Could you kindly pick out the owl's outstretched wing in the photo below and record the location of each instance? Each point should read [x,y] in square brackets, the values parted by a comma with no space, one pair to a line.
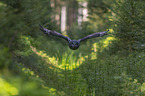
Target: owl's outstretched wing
[98,34]
[53,33]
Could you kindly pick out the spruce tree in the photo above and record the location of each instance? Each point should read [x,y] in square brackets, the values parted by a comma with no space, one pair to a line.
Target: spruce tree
[129,24]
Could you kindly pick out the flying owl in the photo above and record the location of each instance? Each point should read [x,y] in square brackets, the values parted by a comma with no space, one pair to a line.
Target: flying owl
[73,44]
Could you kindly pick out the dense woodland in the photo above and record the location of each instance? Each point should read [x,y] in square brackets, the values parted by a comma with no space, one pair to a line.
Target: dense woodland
[33,64]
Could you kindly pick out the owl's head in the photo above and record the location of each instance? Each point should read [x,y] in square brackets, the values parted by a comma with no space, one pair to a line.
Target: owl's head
[74,44]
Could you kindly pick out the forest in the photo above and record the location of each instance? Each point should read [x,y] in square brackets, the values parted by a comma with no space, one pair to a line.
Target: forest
[34,64]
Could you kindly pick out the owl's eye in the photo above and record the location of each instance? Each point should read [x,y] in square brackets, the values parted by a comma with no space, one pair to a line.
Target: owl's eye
[75,43]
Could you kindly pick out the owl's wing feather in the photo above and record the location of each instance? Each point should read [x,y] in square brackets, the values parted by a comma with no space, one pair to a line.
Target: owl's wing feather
[54,33]
[98,34]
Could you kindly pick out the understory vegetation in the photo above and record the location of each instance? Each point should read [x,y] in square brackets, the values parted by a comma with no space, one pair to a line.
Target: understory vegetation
[32,64]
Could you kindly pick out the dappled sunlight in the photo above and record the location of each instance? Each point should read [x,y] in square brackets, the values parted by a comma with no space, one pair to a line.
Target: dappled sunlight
[28,71]
[2,4]
[67,61]
[37,62]
[49,60]
[132,86]
[104,44]
[18,87]
[108,41]
[6,89]
[143,87]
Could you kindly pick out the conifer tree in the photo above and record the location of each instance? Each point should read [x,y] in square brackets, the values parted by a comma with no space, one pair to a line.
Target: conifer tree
[129,24]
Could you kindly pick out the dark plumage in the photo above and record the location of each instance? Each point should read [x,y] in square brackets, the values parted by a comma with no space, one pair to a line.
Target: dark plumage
[73,44]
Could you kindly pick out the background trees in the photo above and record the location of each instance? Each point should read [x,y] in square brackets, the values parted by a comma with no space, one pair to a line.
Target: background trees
[34,64]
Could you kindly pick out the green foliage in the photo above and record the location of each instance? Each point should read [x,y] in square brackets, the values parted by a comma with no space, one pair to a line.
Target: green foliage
[129,25]
[98,11]
[5,58]
[105,76]
[22,18]
[20,86]
[32,64]
[131,87]
[92,77]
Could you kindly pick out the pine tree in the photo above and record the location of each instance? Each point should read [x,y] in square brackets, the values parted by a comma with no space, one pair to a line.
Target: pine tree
[129,24]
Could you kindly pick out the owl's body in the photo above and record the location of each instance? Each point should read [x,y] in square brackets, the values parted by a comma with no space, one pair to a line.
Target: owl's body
[73,44]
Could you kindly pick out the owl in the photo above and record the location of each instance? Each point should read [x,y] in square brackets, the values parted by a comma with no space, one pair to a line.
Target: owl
[73,44]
